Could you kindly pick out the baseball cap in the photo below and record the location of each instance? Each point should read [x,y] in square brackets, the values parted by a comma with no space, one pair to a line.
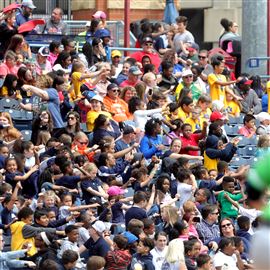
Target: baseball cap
[101,33]
[111,86]
[193,47]
[59,67]
[115,190]
[128,130]
[97,97]
[44,51]
[99,15]
[10,8]
[28,3]
[262,116]
[246,81]
[30,25]
[216,116]
[186,72]
[130,237]
[147,40]
[99,226]
[135,70]
[116,53]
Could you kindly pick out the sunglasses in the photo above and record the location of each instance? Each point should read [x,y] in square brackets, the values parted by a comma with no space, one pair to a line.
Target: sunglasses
[148,44]
[189,76]
[83,142]
[71,117]
[115,90]
[202,57]
[226,225]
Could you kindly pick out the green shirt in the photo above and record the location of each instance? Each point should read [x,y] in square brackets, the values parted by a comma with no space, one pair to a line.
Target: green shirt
[228,209]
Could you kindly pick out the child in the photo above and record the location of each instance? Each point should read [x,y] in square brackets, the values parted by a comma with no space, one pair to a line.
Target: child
[120,257]
[232,107]
[4,153]
[227,208]
[192,251]
[31,156]
[239,245]
[69,259]
[9,86]
[12,175]
[212,174]
[204,262]
[96,263]
[186,106]
[143,257]
[202,197]
[186,185]
[71,244]
[243,223]
[204,102]
[194,119]
[55,49]
[249,128]
[173,112]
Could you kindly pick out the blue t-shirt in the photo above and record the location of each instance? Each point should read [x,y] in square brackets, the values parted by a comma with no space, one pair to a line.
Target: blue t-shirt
[98,248]
[117,213]
[135,212]
[94,184]
[68,181]
[54,108]
[148,146]
[9,178]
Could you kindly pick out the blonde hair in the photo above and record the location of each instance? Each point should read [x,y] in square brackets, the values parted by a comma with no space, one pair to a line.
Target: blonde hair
[50,193]
[44,81]
[80,135]
[264,141]
[89,166]
[189,206]
[10,133]
[175,251]
[171,213]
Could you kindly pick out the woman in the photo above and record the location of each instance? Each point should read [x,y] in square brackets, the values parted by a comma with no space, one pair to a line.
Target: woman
[215,150]
[151,143]
[94,26]
[174,258]
[97,108]
[19,46]
[127,93]
[168,81]
[7,30]
[175,149]
[228,257]
[9,86]
[103,126]
[24,77]
[123,75]
[99,54]
[42,128]
[9,133]
[64,59]
[9,65]
[171,56]
[109,167]
[230,31]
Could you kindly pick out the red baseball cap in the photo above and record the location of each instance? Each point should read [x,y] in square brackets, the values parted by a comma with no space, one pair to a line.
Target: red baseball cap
[216,116]
[30,25]
[246,81]
[11,7]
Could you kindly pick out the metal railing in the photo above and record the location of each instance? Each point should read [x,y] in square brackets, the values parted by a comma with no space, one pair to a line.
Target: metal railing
[254,62]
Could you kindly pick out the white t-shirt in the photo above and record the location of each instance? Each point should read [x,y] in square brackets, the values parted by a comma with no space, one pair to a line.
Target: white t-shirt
[158,257]
[185,192]
[225,261]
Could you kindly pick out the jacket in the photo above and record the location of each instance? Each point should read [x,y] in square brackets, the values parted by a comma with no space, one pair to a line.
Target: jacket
[9,260]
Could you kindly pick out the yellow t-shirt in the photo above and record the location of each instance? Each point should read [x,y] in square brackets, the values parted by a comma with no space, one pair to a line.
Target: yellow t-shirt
[91,117]
[217,92]
[178,91]
[182,115]
[233,108]
[77,83]
[205,115]
[195,124]
[17,239]
[209,163]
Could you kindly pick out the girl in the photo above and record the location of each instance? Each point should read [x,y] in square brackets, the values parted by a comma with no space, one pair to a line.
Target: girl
[163,194]
[9,86]
[30,153]
[192,251]
[9,133]
[50,201]
[13,175]
[68,207]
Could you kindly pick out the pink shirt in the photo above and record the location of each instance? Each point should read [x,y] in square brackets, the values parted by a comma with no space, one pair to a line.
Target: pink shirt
[4,70]
[245,131]
[51,58]
[46,68]
[128,83]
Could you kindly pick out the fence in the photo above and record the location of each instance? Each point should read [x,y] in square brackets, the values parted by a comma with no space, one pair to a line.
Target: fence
[254,62]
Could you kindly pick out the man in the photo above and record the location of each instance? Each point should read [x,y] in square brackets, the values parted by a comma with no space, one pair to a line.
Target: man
[133,77]
[43,65]
[96,244]
[25,12]
[250,101]
[115,105]
[208,228]
[183,36]
[148,50]
[55,25]
[116,62]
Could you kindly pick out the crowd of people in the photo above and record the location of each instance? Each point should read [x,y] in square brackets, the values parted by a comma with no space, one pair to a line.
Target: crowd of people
[129,165]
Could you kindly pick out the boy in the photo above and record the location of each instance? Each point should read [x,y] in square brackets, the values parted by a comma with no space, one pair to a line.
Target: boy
[204,262]
[202,196]
[204,102]
[213,174]
[227,208]
[120,257]
[194,119]
[143,257]
[243,223]
[232,108]
[71,244]
[137,211]
[69,259]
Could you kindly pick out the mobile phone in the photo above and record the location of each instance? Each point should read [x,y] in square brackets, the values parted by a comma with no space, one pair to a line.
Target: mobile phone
[150,93]
[196,219]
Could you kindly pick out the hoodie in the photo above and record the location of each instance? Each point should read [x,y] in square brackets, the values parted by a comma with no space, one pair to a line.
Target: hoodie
[118,259]
[144,260]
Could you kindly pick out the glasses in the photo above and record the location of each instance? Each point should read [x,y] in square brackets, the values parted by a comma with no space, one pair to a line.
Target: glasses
[189,76]
[202,57]
[115,90]
[226,225]
[82,142]
[71,117]
[148,44]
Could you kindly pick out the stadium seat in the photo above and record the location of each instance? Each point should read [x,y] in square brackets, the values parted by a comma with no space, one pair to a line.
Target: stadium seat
[26,134]
[8,103]
[247,141]
[238,161]
[247,151]
[232,130]
[235,120]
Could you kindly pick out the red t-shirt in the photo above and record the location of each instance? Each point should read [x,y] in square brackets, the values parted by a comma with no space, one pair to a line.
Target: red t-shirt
[192,141]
